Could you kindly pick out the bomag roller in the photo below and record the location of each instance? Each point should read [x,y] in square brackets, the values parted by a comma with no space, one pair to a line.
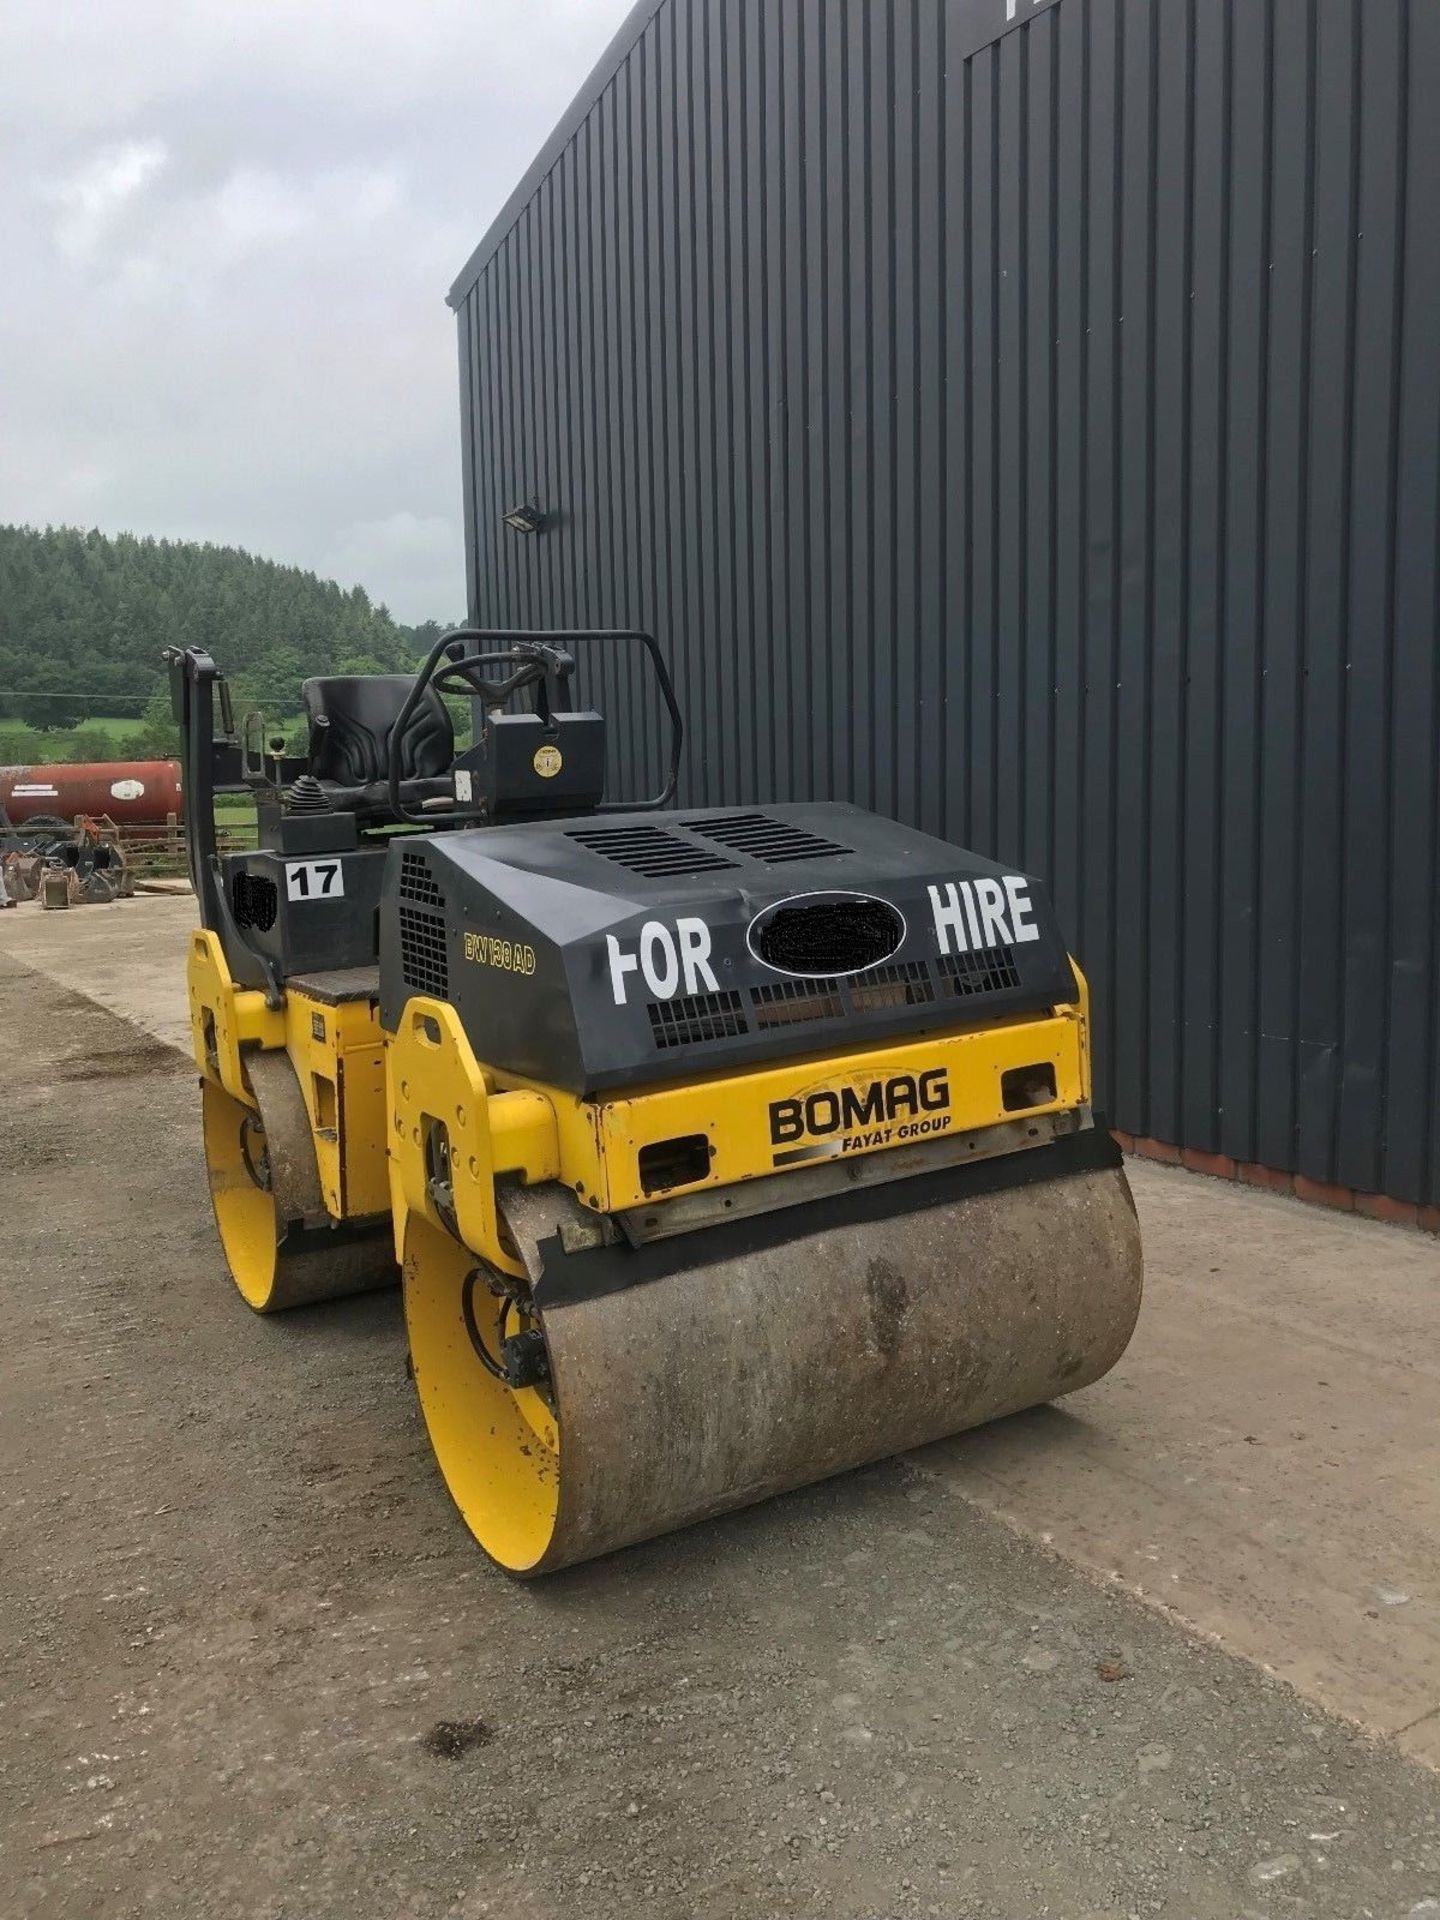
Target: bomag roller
[719,1149]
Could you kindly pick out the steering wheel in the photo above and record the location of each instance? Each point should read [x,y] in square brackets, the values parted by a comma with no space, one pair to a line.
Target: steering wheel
[462,677]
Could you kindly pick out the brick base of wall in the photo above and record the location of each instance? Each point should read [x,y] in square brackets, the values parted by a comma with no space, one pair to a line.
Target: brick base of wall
[1218,1166]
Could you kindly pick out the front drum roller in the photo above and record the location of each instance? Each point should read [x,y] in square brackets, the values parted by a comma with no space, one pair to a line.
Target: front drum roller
[721,1381]
[281,1246]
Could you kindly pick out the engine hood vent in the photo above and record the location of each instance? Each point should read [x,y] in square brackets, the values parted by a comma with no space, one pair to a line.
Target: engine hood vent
[763,837]
[650,851]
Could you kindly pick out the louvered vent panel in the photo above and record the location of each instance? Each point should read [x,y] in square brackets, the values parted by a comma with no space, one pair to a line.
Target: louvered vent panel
[649,850]
[989,972]
[418,883]
[907,986]
[764,838]
[790,1003]
[424,960]
[698,1017]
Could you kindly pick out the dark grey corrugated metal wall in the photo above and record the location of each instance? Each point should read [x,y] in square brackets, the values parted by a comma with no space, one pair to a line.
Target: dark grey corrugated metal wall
[1042,443]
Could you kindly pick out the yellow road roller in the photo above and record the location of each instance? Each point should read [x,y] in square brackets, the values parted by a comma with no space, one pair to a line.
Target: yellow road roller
[716,1149]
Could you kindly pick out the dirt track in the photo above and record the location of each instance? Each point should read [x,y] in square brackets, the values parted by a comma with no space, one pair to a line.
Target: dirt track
[251,1665]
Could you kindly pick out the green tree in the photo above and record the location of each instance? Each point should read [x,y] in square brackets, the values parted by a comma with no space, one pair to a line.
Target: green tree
[21,746]
[158,737]
[87,744]
[85,616]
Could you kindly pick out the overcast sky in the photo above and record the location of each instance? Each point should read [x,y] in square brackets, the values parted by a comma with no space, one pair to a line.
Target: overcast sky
[226,232]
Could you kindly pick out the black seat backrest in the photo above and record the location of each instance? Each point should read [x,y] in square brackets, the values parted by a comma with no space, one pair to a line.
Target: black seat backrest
[351,717]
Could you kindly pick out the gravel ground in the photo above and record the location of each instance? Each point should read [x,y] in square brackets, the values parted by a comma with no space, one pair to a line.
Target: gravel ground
[251,1665]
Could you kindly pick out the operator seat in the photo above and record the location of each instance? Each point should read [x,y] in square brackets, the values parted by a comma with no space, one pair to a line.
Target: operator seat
[351,719]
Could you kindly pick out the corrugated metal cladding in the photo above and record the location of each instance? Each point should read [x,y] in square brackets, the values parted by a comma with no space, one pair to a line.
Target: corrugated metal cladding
[1030,429]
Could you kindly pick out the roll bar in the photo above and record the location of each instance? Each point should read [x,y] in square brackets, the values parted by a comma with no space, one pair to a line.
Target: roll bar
[194,677]
[536,659]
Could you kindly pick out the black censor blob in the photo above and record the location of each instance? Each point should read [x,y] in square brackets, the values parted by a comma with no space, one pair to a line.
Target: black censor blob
[828,937]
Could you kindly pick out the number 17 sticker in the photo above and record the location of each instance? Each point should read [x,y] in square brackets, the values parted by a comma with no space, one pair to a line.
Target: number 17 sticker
[314,880]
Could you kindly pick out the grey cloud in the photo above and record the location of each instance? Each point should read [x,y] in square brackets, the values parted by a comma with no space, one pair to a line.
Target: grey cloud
[228,232]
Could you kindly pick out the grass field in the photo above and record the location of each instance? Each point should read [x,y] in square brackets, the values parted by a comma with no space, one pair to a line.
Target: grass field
[99,737]
[235,809]
[120,728]
[102,736]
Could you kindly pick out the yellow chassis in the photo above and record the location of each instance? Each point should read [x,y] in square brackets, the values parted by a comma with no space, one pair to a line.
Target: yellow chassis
[374,1101]
[338,1053]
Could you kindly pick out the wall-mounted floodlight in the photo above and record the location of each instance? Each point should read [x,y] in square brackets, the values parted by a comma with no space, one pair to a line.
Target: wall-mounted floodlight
[527,519]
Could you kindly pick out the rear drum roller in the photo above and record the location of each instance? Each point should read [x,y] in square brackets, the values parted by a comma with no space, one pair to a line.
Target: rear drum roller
[727,1374]
[280,1245]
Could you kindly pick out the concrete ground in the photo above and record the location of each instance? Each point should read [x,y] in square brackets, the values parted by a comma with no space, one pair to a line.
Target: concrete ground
[251,1665]
[128,956]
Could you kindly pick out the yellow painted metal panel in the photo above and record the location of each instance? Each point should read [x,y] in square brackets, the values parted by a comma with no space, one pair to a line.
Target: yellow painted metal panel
[756,1122]
[225,1018]
[339,1055]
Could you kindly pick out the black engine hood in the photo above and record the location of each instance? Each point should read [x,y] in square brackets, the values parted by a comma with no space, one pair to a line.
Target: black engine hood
[632,949]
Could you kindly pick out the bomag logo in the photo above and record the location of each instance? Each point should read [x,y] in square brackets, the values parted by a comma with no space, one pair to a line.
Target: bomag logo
[856,1118]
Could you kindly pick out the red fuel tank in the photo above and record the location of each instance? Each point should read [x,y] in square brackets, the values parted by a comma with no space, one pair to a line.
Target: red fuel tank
[134,793]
